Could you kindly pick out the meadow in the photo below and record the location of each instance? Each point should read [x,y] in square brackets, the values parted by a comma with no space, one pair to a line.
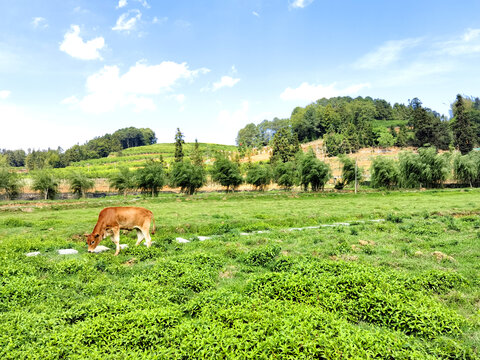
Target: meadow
[395,276]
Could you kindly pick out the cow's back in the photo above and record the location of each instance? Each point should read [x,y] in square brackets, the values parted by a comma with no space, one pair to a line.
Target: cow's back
[124,216]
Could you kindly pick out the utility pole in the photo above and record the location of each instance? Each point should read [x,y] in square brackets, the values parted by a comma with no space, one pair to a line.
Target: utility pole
[356,180]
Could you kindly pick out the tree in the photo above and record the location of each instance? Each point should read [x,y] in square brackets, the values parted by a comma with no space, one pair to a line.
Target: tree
[402,137]
[285,146]
[123,180]
[462,128]
[434,167]
[179,146]
[45,182]
[248,137]
[80,184]
[348,171]
[285,174]
[226,173]
[189,177]
[313,172]
[197,156]
[465,169]
[384,173]
[259,176]
[151,178]
[410,169]
[384,138]
[9,183]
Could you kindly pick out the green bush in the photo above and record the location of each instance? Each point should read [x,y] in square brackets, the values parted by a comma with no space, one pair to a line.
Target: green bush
[261,256]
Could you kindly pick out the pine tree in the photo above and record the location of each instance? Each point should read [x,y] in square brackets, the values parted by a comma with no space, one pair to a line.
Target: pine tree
[179,146]
[462,128]
[197,156]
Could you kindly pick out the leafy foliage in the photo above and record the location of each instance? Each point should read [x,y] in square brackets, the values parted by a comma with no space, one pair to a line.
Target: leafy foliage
[80,184]
[45,182]
[151,178]
[226,172]
[9,183]
[123,180]
[313,172]
[259,176]
[384,173]
[189,177]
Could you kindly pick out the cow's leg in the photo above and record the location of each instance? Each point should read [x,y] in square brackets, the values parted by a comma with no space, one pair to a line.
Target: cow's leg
[116,239]
[146,232]
[140,236]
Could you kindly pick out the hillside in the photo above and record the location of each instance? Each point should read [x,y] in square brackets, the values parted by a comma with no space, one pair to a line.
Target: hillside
[136,157]
[364,156]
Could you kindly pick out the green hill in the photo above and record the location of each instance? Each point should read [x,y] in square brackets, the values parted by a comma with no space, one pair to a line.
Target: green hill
[136,157]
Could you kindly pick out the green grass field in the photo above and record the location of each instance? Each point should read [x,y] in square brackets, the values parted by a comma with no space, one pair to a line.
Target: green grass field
[403,288]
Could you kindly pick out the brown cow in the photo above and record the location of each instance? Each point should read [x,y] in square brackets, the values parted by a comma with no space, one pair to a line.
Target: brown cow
[112,219]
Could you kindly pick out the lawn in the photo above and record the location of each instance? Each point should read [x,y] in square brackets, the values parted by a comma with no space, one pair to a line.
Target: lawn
[395,276]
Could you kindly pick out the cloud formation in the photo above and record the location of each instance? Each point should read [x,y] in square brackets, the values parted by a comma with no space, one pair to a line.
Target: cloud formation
[300,4]
[386,54]
[308,92]
[225,81]
[39,23]
[74,45]
[108,90]
[127,21]
[468,43]
[121,4]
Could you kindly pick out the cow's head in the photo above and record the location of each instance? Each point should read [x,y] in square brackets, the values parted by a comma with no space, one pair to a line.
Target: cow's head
[92,241]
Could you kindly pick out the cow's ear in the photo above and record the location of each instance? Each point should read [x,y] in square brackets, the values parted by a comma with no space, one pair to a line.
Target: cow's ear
[97,235]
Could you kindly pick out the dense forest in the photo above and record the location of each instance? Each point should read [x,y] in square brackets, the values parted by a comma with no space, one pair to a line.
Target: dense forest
[348,124]
[96,148]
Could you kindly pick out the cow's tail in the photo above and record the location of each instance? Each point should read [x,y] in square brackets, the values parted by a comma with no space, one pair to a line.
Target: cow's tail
[153,229]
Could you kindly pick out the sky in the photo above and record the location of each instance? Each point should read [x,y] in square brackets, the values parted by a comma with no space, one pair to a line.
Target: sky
[71,70]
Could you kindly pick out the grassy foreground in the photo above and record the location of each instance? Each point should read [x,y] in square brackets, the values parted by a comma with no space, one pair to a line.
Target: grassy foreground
[404,288]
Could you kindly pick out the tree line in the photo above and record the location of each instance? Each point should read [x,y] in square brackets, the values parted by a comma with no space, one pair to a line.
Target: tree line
[348,124]
[426,169]
[95,148]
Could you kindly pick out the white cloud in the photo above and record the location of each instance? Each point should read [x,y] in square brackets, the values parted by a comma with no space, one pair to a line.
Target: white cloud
[127,21]
[307,92]
[4,94]
[157,20]
[254,13]
[386,54]
[36,129]
[300,4]
[415,73]
[39,23]
[144,3]
[121,4]
[225,81]
[108,90]
[468,43]
[74,46]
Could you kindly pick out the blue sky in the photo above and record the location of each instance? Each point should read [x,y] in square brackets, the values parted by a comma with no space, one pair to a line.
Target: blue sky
[71,70]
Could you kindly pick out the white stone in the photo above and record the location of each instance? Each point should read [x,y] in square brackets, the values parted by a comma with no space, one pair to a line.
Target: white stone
[244,234]
[35,253]
[100,249]
[67,251]
[203,238]
[123,246]
[182,240]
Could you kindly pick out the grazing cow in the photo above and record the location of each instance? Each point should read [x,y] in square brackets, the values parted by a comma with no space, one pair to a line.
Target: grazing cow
[112,219]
